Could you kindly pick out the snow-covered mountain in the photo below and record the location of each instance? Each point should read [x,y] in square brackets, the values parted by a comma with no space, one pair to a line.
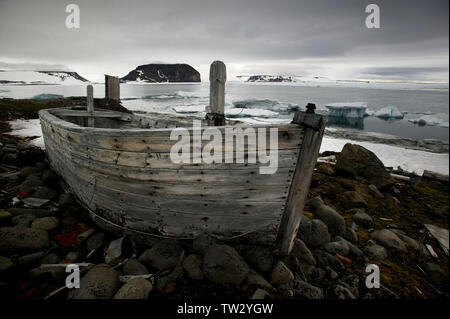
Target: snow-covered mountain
[265,78]
[40,77]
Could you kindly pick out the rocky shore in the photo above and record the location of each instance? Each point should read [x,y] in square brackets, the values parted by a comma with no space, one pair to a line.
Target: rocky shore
[357,214]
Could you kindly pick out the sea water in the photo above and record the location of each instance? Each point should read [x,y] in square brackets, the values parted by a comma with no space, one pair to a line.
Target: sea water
[276,102]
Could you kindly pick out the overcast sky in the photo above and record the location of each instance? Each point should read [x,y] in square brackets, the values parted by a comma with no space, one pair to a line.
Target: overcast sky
[289,37]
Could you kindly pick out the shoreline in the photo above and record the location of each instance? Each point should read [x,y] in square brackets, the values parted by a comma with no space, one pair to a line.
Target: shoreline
[331,269]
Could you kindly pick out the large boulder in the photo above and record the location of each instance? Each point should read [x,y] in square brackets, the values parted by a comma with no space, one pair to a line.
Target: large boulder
[302,252]
[334,221]
[356,160]
[223,265]
[314,233]
[375,251]
[260,258]
[22,240]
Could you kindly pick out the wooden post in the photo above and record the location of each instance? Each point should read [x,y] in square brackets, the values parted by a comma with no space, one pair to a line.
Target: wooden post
[90,105]
[217,79]
[314,125]
[112,88]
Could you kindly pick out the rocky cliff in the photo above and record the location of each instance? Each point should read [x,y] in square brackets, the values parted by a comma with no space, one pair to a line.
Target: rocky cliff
[156,73]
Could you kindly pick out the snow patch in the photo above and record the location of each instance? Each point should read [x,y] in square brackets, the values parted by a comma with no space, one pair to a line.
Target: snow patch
[28,128]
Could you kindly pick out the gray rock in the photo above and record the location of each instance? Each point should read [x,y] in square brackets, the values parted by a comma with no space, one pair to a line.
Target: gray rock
[302,252]
[35,202]
[163,255]
[101,282]
[315,202]
[28,170]
[202,242]
[192,264]
[314,233]
[256,280]
[95,241]
[363,219]
[304,290]
[30,184]
[351,235]
[414,244]
[173,277]
[351,199]
[339,292]
[281,274]
[223,265]
[65,201]
[4,216]
[136,288]
[23,221]
[46,274]
[334,221]
[375,251]
[354,250]
[17,211]
[313,274]
[436,274]
[45,223]
[375,191]
[50,259]
[30,260]
[22,240]
[324,259]
[134,268]
[337,247]
[352,283]
[331,273]
[389,240]
[358,161]
[6,264]
[45,192]
[260,258]
[49,178]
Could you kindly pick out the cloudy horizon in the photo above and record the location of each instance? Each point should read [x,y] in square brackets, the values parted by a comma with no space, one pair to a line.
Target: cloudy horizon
[285,37]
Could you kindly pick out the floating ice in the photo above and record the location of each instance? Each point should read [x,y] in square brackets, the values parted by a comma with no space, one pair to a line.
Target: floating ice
[348,109]
[440,119]
[47,96]
[242,112]
[266,104]
[191,109]
[389,112]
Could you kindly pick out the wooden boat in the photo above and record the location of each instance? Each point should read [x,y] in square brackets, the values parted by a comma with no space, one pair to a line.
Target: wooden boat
[118,165]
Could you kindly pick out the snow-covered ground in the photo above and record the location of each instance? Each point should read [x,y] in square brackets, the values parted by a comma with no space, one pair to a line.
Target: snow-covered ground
[392,156]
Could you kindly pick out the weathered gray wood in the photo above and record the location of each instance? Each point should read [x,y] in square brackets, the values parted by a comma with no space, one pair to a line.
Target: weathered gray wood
[217,79]
[309,151]
[112,87]
[126,176]
[90,105]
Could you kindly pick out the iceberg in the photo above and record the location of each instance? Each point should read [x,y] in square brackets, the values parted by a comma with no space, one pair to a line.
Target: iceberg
[266,104]
[389,112]
[347,110]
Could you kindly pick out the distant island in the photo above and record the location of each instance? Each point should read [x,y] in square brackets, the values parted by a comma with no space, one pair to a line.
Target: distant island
[19,77]
[265,78]
[163,73]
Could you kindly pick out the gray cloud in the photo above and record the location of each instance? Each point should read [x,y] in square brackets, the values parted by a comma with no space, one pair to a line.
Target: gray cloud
[280,35]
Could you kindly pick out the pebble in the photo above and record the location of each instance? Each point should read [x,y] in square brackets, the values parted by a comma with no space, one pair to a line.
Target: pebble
[334,221]
[134,268]
[192,264]
[22,240]
[281,274]
[101,282]
[136,288]
[163,255]
[389,239]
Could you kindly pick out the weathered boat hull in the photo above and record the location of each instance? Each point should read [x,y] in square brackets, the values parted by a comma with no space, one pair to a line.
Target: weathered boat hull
[125,177]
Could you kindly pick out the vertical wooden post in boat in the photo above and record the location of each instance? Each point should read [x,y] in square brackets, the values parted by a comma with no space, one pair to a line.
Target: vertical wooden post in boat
[314,125]
[217,79]
[112,88]
[90,105]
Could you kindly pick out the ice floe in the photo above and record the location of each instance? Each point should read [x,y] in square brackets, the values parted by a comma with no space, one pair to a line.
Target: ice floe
[388,112]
